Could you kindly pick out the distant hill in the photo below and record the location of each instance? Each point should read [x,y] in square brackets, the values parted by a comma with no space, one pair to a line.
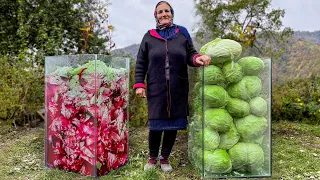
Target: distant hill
[131,50]
[313,37]
[300,60]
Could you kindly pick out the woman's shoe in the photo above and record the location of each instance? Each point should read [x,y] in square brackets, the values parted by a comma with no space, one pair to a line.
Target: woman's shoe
[164,164]
[166,168]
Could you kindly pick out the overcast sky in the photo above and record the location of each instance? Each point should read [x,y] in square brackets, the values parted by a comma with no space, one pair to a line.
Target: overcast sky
[133,18]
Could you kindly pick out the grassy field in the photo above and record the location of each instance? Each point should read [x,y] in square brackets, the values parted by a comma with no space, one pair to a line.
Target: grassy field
[296,155]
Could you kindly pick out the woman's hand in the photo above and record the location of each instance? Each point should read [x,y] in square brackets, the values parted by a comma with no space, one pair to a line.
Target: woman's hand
[203,60]
[141,92]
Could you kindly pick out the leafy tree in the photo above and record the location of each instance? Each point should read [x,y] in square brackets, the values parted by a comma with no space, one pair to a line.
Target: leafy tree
[32,29]
[97,32]
[251,22]
[48,27]
[21,92]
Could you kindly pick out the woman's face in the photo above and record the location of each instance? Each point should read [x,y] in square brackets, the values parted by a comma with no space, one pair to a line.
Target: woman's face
[163,13]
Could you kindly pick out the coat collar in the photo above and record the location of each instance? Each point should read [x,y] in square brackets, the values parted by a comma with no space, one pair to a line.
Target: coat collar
[155,34]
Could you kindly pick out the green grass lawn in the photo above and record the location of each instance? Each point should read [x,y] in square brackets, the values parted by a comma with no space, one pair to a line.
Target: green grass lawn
[295,151]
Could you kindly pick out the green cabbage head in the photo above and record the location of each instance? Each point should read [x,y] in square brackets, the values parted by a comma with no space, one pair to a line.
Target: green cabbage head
[215,96]
[63,71]
[258,106]
[212,75]
[252,66]
[229,138]
[257,140]
[95,66]
[204,48]
[211,139]
[232,72]
[222,50]
[238,108]
[251,126]
[217,119]
[217,162]
[246,157]
[248,88]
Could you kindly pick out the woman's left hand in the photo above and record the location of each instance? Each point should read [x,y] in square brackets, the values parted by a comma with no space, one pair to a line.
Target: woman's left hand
[203,60]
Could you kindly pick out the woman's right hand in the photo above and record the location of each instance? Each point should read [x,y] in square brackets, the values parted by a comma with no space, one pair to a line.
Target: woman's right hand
[141,92]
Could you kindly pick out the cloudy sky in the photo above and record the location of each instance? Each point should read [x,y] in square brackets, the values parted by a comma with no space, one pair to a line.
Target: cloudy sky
[133,18]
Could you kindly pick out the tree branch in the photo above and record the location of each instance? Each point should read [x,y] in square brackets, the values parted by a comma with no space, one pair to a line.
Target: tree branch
[251,16]
[244,21]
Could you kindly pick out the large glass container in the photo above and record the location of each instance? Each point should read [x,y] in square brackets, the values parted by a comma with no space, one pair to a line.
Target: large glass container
[230,124]
[86,101]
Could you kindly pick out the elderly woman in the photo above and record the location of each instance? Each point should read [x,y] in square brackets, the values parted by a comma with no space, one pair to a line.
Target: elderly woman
[164,56]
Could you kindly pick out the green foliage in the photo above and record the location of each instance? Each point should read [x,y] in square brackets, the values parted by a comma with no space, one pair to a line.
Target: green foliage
[30,30]
[150,175]
[250,22]
[138,106]
[21,90]
[50,28]
[297,100]
[39,25]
